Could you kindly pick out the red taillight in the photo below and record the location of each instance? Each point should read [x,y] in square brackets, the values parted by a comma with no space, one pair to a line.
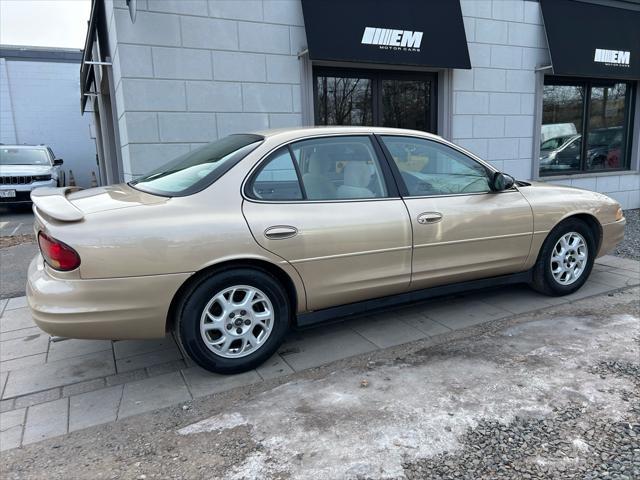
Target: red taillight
[57,254]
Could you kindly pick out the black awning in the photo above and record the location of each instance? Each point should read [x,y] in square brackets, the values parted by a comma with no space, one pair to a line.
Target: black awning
[396,32]
[592,40]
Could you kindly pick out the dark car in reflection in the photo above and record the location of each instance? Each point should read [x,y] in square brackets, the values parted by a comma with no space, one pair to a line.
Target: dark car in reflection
[603,151]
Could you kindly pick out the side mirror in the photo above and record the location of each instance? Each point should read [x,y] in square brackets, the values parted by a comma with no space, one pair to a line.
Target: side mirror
[58,161]
[501,181]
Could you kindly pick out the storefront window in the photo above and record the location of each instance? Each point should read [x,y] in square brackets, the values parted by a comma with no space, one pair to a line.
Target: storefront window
[344,101]
[375,97]
[585,126]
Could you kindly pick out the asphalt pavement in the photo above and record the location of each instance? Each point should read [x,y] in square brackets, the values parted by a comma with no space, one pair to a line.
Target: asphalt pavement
[16,220]
[14,260]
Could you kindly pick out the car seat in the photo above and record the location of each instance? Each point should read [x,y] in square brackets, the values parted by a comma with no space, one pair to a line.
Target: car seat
[356,178]
[316,183]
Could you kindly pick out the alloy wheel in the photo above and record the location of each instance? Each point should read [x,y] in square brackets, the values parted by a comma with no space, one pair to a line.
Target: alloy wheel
[569,258]
[237,321]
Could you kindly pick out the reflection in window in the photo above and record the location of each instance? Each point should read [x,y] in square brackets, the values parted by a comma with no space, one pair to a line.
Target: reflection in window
[344,101]
[562,136]
[562,108]
[606,138]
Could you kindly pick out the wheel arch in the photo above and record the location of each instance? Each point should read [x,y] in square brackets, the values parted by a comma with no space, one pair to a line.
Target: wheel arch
[253,263]
[591,221]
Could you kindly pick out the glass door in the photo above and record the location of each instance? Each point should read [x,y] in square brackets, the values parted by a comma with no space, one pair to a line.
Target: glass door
[406,103]
[372,97]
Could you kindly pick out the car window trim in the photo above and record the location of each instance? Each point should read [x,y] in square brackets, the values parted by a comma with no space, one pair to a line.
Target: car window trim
[392,189]
[404,191]
[263,163]
[298,172]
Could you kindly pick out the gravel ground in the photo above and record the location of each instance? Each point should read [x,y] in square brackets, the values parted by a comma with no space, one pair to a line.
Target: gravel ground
[573,442]
[554,394]
[630,246]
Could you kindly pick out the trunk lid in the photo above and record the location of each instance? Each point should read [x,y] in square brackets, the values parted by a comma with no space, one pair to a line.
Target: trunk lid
[71,204]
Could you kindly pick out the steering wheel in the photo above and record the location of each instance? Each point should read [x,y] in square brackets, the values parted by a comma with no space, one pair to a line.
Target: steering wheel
[468,189]
[417,186]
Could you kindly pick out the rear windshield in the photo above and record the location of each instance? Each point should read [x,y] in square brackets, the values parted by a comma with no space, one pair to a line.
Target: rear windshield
[196,170]
[23,156]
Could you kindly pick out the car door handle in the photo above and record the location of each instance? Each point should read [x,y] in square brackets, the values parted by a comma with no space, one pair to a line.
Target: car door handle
[429,217]
[280,232]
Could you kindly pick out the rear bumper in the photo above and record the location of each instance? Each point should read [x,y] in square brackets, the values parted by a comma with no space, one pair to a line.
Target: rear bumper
[612,235]
[113,308]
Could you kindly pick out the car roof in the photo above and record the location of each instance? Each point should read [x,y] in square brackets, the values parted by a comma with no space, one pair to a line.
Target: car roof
[339,130]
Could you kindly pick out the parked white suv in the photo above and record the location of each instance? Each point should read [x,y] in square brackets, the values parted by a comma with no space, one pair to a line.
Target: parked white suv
[23,168]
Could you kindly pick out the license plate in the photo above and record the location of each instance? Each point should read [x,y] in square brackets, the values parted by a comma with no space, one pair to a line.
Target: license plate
[7,193]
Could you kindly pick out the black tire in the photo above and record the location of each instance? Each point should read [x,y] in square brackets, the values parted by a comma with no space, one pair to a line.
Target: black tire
[543,278]
[195,300]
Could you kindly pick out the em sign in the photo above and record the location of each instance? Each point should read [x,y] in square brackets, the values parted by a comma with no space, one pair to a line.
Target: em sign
[396,39]
[617,57]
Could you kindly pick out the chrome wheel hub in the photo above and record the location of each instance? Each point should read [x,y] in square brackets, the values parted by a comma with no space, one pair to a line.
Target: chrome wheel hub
[569,258]
[237,321]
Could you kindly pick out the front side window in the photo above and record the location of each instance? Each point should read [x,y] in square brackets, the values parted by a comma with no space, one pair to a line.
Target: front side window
[585,126]
[23,156]
[196,170]
[431,168]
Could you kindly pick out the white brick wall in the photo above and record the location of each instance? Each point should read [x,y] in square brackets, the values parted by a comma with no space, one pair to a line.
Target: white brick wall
[190,71]
[494,102]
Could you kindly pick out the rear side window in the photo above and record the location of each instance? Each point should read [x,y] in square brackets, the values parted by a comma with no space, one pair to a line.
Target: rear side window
[327,168]
[339,168]
[196,170]
[277,179]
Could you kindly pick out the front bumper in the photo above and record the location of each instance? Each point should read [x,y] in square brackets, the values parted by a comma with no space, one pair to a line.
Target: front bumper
[612,235]
[110,308]
[23,190]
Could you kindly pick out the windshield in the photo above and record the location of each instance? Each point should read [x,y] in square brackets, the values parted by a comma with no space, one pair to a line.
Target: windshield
[199,168]
[23,156]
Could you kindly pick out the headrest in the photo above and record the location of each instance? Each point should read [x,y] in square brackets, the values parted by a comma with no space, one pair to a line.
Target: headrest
[356,174]
[318,164]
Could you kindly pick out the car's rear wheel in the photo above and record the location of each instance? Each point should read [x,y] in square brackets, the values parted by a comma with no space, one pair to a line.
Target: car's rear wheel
[233,321]
[566,259]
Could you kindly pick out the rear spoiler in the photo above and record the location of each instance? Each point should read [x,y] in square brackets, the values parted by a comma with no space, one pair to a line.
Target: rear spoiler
[53,203]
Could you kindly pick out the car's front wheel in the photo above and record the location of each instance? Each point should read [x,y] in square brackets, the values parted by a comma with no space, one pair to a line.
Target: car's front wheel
[566,259]
[233,321]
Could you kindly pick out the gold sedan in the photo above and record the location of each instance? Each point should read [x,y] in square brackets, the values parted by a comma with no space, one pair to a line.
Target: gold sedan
[233,243]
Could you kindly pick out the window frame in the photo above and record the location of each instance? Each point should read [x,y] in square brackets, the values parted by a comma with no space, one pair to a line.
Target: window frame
[404,191]
[589,83]
[377,77]
[264,163]
[388,177]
